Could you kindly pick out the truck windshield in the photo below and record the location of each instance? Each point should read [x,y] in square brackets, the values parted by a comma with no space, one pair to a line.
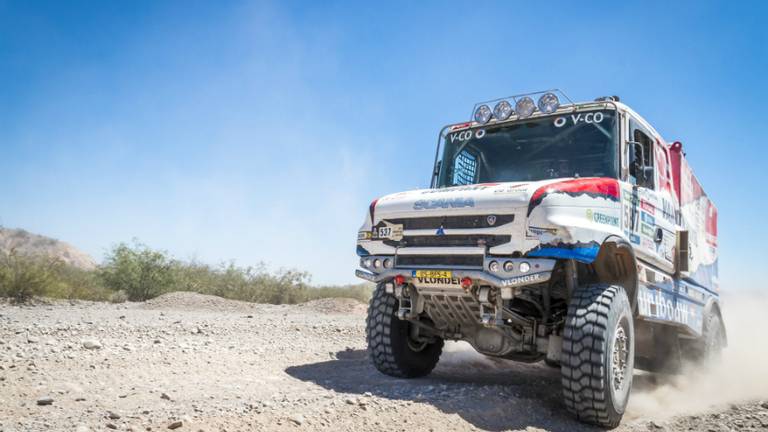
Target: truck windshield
[579,144]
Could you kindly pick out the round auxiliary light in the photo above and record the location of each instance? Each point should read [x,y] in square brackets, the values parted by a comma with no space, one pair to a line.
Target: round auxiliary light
[466,283]
[493,266]
[376,263]
[387,263]
[525,107]
[548,103]
[366,262]
[502,110]
[524,267]
[399,280]
[509,266]
[483,114]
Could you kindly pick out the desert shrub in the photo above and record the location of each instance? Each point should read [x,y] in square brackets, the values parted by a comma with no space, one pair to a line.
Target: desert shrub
[361,292]
[142,273]
[75,283]
[253,284]
[135,272]
[23,277]
[118,297]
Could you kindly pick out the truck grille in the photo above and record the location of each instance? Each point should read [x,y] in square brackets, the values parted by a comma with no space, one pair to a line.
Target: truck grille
[452,222]
[439,260]
[450,241]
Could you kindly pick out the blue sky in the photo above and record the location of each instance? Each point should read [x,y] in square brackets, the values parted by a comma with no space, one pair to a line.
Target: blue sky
[260,131]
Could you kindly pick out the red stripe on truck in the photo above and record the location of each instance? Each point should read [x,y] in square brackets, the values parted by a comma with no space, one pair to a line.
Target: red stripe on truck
[595,187]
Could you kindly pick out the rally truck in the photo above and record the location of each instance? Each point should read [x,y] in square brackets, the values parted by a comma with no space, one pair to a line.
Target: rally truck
[555,231]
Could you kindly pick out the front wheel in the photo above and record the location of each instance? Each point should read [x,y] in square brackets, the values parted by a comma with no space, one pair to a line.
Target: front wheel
[391,345]
[598,354]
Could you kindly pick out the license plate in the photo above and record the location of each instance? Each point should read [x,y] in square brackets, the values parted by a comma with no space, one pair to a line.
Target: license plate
[439,274]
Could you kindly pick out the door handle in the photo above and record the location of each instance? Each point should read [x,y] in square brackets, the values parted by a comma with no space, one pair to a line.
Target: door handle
[659,235]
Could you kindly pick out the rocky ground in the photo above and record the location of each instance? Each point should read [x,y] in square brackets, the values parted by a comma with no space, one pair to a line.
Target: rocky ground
[190,362]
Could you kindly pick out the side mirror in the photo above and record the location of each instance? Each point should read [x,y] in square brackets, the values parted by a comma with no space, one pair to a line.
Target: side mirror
[683,251]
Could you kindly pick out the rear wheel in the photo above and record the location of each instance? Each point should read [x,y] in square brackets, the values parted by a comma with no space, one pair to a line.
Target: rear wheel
[707,349]
[391,345]
[598,354]
[714,338]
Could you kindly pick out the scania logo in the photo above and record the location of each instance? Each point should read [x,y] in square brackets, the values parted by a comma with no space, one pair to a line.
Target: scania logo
[491,219]
[443,203]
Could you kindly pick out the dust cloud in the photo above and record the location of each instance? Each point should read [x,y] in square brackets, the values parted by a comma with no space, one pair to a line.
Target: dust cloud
[461,355]
[741,375]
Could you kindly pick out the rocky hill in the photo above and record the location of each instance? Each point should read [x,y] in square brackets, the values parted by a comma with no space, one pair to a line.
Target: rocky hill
[30,244]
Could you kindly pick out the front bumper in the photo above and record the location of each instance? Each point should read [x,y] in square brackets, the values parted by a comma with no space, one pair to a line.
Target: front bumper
[540,271]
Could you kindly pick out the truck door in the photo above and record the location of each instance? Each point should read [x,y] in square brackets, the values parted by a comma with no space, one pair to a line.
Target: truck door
[653,207]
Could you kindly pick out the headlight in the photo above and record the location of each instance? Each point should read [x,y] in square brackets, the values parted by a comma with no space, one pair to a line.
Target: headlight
[387,263]
[525,107]
[482,114]
[548,103]
[524,267]
[376,263]
[509,266]
[366,262]
[502,110]
[493,266]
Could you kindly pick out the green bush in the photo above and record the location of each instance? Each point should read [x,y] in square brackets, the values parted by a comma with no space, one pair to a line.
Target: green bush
[252,284]
[75,283]
[361,292]
[139,271]
[23,277]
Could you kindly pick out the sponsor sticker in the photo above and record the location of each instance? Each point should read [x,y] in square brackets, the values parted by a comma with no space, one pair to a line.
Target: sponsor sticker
[647,218]
[650,208]
[647,230]
[466,135]
[511,188]
[535,232]
[648,244]
[474,187]
[602,218]
[634,238]
[596,117]
[521,280]
[660,305]
[388,231]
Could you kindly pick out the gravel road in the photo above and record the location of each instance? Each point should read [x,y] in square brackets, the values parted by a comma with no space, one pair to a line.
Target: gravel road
[190,362]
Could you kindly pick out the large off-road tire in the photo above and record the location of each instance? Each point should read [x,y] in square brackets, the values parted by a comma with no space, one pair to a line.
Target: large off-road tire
[390,345]
[598,354]
[714,338]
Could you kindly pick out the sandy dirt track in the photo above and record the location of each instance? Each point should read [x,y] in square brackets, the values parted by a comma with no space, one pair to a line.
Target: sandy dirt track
[192,362]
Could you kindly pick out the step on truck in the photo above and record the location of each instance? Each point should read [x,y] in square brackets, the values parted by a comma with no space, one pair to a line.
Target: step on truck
[566,232]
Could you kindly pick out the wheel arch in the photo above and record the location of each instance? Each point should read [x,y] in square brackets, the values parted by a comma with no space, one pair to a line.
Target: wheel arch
[616,264]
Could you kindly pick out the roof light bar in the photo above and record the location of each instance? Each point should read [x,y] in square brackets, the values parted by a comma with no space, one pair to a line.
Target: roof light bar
[522,106]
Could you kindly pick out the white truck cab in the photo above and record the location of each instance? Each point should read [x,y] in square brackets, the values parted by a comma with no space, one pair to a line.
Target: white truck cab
[552,230]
